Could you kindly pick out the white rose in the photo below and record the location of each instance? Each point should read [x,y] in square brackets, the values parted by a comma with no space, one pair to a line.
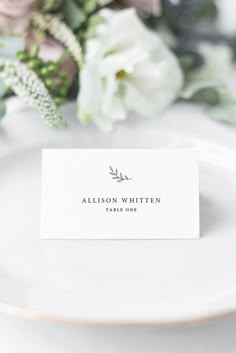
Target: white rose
[127,68]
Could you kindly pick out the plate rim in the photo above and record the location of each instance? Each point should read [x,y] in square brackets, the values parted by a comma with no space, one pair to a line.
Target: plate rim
[42,315]
[37,315]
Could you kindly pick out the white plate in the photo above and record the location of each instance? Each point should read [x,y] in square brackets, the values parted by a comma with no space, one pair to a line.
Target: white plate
[117,282]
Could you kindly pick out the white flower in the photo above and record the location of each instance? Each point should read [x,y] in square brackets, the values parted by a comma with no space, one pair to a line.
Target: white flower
[127,68]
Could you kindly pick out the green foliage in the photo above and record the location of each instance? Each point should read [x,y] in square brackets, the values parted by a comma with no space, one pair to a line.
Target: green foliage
[211,92]
[57,82]
[2,108]
[80,16]
[90,6]
[59,30]
[73,22]
[225,112]
[221,106]
[188,22]
[73,14]
[206,10]
[51,5]
[187,14]
[194,89]
[93,22]
[26,84]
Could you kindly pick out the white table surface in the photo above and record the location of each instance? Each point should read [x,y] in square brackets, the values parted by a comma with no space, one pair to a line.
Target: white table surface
[21,335]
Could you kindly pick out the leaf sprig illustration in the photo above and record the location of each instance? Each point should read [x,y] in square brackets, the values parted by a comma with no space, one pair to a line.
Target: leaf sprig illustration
[118,176]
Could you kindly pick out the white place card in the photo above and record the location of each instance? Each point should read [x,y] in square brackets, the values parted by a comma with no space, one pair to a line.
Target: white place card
[119,194]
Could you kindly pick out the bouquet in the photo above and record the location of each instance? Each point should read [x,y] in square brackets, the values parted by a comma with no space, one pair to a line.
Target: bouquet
[114,57]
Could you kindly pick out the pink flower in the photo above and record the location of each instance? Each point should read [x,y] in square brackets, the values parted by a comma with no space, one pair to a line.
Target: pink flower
[13,26]
[15,8]
[51,49]
[15,16]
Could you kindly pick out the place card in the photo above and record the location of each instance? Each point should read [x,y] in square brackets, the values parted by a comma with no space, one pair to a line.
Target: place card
[119,194]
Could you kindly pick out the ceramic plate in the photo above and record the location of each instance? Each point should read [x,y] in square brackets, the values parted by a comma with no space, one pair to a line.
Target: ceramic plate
[117,282]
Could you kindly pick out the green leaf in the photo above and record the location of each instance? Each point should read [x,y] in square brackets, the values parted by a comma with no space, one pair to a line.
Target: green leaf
[94,21]
[50,5]
[193,87]
[207,10]
[73,14]
[189,59]
[2,108]
[210,96]
[3,88]
[34,50]
[225,112]
[90,6]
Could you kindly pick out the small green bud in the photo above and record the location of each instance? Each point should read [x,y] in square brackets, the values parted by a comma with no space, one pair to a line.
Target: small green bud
[52,69]
[67,81]
[62,91]
[39,62]
[34,50]
[59,100]
[63,75]
[22,56]
[48,83]
[43,72]
[32,64]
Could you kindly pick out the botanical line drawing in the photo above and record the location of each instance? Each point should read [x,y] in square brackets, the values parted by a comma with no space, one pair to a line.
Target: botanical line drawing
[118,176]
